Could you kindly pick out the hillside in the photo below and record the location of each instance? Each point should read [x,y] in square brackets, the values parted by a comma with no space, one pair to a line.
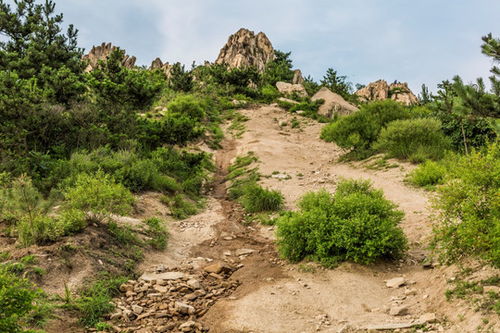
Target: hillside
[239,195]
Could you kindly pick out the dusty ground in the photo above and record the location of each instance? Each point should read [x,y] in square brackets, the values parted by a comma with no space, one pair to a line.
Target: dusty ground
[278,297]
[273,295]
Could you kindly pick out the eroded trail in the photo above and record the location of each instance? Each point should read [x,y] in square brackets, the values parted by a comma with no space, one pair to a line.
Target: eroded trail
[274,296]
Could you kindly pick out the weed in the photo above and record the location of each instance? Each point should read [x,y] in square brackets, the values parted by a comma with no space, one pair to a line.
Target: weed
[157,231]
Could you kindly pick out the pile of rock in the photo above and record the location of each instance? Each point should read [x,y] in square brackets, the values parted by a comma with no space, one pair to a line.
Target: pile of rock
[171,300]
[102,52]
[380,90]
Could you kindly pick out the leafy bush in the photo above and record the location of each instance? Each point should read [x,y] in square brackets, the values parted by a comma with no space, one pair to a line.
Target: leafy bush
[356,223]
[414,139]
[99,194]
[18,301]
[258,199]
[469,204]
[428,174]
[361,129]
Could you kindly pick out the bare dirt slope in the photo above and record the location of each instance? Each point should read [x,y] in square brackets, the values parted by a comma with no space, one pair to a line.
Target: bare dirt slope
[275,296]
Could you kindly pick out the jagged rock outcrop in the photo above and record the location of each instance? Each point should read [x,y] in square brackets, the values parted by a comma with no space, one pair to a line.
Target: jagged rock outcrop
[334,103]
[102,52]
[380,90]
[297,77]
[289,89]
[158,64]
[244,49]
[400,92]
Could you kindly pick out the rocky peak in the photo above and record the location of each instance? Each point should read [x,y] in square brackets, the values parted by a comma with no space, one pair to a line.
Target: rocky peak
[380,90]
[244,49]
[102,52]
[165,67]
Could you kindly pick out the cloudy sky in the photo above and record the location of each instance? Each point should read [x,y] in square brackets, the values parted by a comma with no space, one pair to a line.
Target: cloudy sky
[423,41]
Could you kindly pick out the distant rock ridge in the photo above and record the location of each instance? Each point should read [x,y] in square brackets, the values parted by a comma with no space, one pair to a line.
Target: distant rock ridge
[165,67]
[245,49]
[380,90]
[102,52]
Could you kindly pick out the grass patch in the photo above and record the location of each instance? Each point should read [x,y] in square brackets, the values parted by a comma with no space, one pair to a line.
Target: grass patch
[158,233]
[180,206]
[486,301]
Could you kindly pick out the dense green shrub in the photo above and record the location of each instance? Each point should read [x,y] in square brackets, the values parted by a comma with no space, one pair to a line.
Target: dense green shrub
[414,139]
[356,223]
[361,129]
[115,84]
[99,194]
[269,93]
[180,207]
[469,203]
[18,299]
[428,174]
[257,199]
[279,69]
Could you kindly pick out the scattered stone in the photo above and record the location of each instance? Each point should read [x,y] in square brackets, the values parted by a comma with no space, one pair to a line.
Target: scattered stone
[194,284]
[137,309]
[187,326]
[396,282]
[162,276]
[244,252]
[398,310]
[427,318]
[184,308]
[380,90]
[217,268]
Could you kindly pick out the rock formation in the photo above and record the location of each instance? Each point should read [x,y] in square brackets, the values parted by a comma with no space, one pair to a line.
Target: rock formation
[297,77]
[289,89]
[334,103]
[380,90]
[158,64]
[244,49]
[102,52]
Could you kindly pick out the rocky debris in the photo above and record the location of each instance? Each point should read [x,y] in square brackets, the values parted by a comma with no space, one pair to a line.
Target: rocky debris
[217,267]
[102,52]
[333,103]
[245,49]
[395,282]
[297,77]
[172,301]
[165,67]
[398,310]
[287,100]
[381,90]
[290,88]
[427,318]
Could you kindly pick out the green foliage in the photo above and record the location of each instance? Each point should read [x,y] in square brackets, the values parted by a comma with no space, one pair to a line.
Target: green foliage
[414,139]
[34,48]
[469,203]
[180,79]
[269,93]
[279,69]
[180,207]
[428,174]
[356,223]
[361,129]
[99,194]
[311,86]
[158,233]
[19,300]
[475,291]
[337,83]
[115,84]
[95,301]
[123,234]
[257,199]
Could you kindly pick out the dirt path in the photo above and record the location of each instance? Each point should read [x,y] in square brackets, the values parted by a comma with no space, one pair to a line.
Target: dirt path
[275,296]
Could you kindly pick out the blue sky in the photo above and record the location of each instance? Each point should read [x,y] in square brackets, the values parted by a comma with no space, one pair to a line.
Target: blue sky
[423,41]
